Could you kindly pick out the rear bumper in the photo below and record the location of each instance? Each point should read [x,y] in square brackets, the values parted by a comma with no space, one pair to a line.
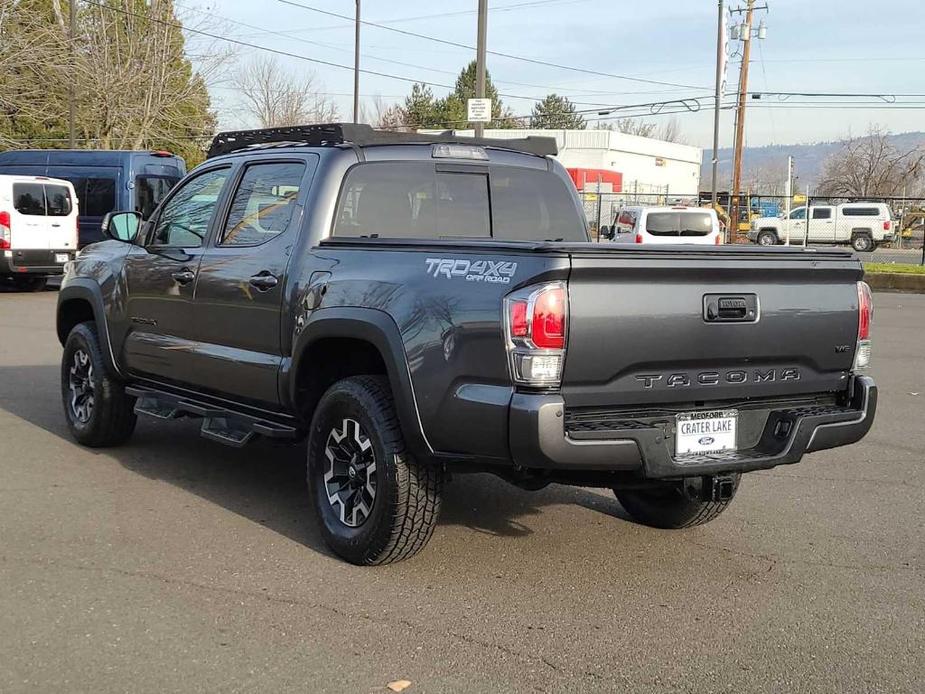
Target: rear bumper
[33,261]
[539,438]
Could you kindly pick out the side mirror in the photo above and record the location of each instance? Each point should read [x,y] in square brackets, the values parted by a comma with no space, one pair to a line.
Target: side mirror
[121,226]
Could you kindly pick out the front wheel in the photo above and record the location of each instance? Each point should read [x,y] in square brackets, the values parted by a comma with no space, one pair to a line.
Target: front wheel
[374,502]
[767,238]
[674,505]
[96,407]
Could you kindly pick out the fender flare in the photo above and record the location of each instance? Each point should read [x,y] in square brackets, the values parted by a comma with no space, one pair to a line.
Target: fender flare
[380,330]
[82,289]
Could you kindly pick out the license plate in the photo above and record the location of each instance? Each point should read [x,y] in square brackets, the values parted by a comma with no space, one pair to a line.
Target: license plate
[699,433]
[61,257]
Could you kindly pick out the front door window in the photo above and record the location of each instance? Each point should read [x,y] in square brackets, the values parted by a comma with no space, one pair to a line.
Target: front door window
[184,220]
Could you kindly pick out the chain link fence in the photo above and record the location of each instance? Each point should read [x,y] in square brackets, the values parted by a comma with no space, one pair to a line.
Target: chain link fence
[881,230]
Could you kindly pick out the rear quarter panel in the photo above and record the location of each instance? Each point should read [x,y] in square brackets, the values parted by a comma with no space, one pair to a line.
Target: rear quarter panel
[449,317]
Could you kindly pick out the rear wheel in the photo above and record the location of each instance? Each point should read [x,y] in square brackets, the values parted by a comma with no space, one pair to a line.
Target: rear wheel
[673,505]
[862,243]
[767,238]
[98,411]
[375,503]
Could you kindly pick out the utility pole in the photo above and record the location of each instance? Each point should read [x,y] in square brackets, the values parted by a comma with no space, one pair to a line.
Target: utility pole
[788,197]
[72,92]
[720,60]
[356,66]
[480,60]
[740,117]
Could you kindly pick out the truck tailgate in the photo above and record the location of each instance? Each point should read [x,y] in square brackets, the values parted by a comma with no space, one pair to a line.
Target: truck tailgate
[645,325]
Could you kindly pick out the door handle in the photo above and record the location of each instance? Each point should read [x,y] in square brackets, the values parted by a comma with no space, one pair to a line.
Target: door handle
[183,276]
[264,281]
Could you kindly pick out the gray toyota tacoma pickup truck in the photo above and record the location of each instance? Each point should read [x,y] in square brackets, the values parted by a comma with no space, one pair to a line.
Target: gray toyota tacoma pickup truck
[415,305]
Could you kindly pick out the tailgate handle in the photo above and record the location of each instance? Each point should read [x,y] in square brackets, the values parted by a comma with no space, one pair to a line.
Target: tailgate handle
[719,308]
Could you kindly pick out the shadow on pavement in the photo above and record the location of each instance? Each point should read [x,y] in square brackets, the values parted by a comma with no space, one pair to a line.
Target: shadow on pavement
[265,482]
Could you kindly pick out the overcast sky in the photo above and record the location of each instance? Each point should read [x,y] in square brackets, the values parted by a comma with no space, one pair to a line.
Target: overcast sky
[854,46]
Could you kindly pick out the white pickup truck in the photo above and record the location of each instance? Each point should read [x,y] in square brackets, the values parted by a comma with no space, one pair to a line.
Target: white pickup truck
[864,225]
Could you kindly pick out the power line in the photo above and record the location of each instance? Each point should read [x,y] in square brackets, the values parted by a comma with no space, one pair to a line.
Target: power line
[412,65]
[247,44]
[497,53]
[297,56]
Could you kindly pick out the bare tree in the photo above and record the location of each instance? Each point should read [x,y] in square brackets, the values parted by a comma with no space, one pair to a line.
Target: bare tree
[670,131]
[871,166]
[275,98]
[632,126]
[379,115]
[768,178]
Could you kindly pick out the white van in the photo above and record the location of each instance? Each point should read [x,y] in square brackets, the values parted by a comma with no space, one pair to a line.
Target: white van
[38,229]
[665,225]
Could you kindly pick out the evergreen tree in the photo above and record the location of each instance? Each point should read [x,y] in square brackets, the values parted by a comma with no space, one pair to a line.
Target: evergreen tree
[452,110]
[420,108]
[556,112]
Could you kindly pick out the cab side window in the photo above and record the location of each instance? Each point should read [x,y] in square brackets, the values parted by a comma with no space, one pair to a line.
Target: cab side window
[184,220]
[263,204]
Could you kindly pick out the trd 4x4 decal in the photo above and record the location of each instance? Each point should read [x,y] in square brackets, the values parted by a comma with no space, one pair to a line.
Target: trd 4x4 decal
[499,272]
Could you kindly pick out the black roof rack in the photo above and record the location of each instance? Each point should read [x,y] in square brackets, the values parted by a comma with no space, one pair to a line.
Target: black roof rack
[361,135]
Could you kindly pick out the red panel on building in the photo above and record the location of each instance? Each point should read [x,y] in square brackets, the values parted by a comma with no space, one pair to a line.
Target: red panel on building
[590,177]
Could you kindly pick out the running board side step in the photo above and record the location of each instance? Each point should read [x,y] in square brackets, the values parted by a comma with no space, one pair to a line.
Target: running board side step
[219,424]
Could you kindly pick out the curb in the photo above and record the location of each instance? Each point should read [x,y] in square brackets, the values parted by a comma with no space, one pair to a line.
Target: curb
[895,282]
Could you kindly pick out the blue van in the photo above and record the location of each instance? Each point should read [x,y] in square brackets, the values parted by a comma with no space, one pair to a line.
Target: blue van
[104,180]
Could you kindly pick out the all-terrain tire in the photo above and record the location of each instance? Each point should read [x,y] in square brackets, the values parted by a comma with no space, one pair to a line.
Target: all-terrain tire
[110,418]
[674,505]
[355,425]
[767,238]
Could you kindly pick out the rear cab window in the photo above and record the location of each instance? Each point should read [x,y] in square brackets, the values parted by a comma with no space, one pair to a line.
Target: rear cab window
[424,200]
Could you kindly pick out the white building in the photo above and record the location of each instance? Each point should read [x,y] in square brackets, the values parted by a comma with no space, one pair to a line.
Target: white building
[646,166]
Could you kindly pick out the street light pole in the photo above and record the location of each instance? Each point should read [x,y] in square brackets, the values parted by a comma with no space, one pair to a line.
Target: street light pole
[356,66]
[720,55]
[480,59]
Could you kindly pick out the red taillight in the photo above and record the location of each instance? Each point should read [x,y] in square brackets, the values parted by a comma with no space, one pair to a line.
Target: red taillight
[544,325]
[865,311]
[161,153]
[887,225]
[549,319]
[638,238]
[536,323]
[718,240]
[519,327]
[6,233]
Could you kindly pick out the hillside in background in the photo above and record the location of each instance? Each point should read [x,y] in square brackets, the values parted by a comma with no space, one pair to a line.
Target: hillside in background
[807,160]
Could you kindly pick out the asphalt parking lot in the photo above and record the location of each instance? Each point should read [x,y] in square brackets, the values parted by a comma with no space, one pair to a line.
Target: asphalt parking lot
[174,564]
